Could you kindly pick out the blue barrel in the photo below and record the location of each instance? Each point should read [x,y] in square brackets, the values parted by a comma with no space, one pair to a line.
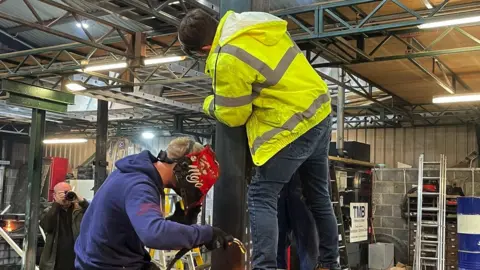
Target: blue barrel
[468,219]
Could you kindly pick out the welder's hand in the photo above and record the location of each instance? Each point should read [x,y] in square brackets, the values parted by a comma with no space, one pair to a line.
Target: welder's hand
[220,240]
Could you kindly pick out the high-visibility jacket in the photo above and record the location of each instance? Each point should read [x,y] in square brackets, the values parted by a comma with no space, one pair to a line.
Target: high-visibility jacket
[262,79]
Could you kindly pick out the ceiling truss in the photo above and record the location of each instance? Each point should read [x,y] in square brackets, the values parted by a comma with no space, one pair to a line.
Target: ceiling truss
[169,91]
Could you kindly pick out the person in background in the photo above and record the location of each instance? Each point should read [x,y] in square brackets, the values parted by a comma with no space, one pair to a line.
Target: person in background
[261,79]
[296,225]
[61,224]
[125,214]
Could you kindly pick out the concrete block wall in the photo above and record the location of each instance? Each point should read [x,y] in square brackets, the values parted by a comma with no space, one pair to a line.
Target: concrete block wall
[390,187]
[388,193]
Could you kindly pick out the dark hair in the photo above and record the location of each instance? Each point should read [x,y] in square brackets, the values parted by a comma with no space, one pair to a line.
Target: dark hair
[197,29]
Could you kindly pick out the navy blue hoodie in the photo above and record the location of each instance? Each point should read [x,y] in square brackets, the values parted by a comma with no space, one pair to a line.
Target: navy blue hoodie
[125,216]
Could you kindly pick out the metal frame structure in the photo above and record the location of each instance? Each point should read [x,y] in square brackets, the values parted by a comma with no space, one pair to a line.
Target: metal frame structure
[332,35]
[341,44]
[328,22]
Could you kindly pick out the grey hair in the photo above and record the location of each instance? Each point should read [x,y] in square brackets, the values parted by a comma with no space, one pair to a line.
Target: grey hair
[178,147]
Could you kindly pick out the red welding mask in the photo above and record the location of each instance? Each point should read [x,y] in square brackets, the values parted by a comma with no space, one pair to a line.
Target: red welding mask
[195,174]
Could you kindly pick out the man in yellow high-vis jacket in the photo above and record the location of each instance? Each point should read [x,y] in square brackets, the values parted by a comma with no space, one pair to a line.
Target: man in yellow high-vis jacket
[262,80]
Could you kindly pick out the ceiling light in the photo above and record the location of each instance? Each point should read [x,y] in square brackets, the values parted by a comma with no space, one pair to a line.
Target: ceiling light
[427,4]
[75,86]
[82,25]
[58,141]
[148,135]
[109,66]
[163,60]
[442,23]
[174,3]
[457,98]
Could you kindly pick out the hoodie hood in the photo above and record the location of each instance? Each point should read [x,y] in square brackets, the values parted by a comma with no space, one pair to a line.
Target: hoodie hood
[266,28]
[141,163]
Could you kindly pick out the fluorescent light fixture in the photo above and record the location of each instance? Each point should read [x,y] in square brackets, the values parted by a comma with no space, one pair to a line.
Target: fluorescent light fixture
[163,60]
[457,98]
[75,87]
[82,25]
[174,3]
[450,22]
[109,66]
[427,4]
[148,135]
[58,141]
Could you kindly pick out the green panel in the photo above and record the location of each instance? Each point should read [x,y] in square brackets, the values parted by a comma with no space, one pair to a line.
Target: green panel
[36,103]
[37,92]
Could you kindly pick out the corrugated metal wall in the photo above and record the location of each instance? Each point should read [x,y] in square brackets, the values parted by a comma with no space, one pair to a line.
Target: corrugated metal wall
[78,153]
[75,153]
[389,146]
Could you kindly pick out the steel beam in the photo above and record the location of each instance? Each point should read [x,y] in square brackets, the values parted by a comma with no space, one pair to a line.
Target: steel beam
[52,31]
[230,192]
[101,144]
[322,28]
[160,15]
[340,114]
[34,184]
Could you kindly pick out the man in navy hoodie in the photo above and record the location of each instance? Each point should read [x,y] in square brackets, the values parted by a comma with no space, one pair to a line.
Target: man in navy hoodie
[125,214]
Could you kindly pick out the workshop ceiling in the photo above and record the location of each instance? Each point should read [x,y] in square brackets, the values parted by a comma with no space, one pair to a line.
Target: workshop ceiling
[398,68]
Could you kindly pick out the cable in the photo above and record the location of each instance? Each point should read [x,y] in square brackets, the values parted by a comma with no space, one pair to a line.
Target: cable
[177,257]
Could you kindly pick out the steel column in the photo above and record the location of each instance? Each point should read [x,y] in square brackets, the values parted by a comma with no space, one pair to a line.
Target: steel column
[101,144]
[37,133]
[477,133]
[230,193]
[340,113]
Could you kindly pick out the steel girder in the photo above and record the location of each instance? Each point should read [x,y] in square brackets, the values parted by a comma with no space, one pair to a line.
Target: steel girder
[344,46]
[94,42]
[329,23]
[414,49]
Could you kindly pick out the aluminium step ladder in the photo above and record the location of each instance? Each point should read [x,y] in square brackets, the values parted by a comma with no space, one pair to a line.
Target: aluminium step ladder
[430,235]
[337,207]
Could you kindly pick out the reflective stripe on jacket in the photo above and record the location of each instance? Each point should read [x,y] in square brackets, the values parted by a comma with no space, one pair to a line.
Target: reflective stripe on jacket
[262,79]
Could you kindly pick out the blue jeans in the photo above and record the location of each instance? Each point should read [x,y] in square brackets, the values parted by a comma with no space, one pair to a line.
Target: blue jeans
[295,218]
[309,155]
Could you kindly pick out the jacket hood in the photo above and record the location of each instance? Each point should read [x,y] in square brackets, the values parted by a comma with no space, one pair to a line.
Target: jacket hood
[266,28]
[141,163]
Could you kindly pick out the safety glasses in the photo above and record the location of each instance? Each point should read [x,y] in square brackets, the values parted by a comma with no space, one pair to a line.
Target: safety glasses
[193,53]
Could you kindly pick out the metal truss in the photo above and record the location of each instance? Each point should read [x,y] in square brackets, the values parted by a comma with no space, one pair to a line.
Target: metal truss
[13,128]
[329,22]
[419,118]
[159,95]
[340,42]
[195,125]
[414,49]
[79,15]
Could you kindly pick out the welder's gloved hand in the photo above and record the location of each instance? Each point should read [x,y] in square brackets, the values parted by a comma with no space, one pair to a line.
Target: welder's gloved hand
[180,216]
[220,240]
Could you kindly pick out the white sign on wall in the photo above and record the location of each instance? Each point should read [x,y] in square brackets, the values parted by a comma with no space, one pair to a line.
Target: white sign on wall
[359,216]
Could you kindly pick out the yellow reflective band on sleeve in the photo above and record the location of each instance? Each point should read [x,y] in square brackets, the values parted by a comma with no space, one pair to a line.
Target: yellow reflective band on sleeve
[272,76]
[233,101]
[292,122]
